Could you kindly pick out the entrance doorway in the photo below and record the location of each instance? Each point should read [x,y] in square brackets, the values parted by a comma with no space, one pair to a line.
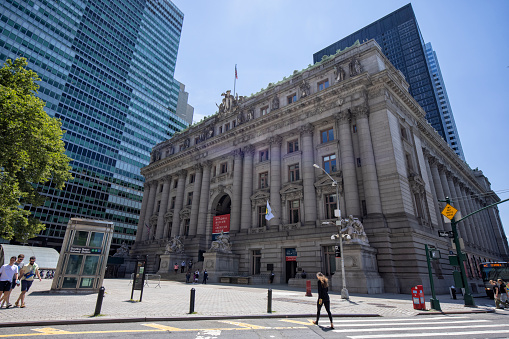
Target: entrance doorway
[224,205]
[329,260]
[291,268]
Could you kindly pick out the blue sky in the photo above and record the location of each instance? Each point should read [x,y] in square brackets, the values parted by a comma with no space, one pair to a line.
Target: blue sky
[270,39]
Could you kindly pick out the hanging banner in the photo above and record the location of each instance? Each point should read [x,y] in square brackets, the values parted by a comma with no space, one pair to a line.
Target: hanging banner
[291,254]
[220,223]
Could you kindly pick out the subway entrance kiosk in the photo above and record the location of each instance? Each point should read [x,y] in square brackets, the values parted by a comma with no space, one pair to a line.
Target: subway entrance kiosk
[84,256]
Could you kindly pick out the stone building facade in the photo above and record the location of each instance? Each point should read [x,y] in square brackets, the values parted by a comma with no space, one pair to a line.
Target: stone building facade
[353,116]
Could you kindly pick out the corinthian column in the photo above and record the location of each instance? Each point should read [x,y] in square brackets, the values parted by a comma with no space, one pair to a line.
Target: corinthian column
[150,209]
[464,211]
[348,166]
[247,187]
[179,202]
[163,207]
[369,176]
[193,222]
[275,179]
[428,160]
[204,198]
[143,210]
[308,173]
[236,191]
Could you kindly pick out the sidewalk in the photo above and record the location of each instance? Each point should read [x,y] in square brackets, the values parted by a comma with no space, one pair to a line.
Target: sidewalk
[171,301]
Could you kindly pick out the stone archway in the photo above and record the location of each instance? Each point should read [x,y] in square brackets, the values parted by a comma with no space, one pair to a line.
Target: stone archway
[223,205]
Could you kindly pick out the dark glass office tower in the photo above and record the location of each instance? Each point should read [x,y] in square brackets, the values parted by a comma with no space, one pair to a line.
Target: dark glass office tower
[400,38]
[107,72]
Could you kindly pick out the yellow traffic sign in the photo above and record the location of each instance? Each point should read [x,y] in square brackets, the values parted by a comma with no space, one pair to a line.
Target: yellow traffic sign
[449,211]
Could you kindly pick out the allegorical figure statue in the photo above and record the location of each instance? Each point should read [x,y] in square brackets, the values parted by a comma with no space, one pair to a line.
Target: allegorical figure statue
[174,245]
[122,251]
[339,72]
[354,228]
[222,244]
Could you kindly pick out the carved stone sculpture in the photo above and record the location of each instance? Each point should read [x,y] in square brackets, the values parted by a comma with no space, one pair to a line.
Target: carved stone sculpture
[354,228]
[339,72]
[355,67]
[222,244]
[304,88]
[174,245]
[122,251]
[275,103]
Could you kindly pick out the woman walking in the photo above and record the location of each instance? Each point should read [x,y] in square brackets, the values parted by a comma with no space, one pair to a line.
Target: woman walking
[323,298]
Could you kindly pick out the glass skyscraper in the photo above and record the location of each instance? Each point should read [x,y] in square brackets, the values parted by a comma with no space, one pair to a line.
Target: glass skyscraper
[401,41]
[107,72]
[451,132]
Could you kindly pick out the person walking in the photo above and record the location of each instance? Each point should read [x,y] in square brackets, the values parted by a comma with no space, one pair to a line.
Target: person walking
[27,275]
[7,273]
[183,266]
[504,294]
[190,264]
[271,278]
[323,298]
[188,276]
[20,265]
[205,277]
[176,268]
[196,276]
[496,293]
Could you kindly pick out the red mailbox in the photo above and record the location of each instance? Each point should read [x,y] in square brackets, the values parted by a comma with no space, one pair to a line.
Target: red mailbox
[418,298]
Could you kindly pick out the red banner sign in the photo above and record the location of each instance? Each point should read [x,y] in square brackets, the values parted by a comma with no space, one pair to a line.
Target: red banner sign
[221,223]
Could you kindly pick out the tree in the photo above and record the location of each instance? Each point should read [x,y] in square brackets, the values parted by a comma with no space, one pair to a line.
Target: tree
[31,152]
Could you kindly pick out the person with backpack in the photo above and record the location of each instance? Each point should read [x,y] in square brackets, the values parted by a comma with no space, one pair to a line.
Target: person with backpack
[28,273]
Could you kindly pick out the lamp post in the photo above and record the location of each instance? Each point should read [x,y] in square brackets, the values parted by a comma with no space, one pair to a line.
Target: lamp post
[344,291]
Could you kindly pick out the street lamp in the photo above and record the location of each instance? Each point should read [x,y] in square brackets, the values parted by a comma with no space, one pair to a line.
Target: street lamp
[344,291]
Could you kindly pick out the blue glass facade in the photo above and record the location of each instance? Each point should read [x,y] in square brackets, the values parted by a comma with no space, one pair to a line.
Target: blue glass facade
[401,41]
[107,72]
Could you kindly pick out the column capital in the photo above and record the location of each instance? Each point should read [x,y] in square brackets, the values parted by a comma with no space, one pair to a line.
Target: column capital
[165,179]
[360,112]
[181,174]
[343,117]
[307,129]
[277,139]
[207,164]
[237,153]
[197,167]
[433,161]
[249,150]
[153,183]
[442,167]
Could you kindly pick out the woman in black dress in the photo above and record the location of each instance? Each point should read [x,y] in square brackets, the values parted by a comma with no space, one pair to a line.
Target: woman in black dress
[323,298]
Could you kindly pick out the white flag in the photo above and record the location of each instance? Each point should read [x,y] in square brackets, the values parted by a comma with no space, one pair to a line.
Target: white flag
[268,212]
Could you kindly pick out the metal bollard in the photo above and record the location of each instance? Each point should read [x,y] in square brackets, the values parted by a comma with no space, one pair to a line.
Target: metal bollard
[99,303]
[191,304]
[269,301]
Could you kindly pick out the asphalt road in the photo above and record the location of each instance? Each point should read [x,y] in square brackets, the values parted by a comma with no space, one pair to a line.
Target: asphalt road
[494,325]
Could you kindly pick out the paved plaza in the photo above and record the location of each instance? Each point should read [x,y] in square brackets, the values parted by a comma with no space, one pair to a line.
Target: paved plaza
[171,300]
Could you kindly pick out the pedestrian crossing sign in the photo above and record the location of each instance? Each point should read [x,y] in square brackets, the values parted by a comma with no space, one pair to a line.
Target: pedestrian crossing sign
[449,211]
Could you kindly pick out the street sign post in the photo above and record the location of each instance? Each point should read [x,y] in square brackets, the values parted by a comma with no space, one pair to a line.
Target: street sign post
[445,234]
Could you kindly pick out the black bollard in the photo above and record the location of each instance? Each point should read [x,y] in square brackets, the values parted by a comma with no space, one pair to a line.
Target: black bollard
[269,301]
[191,304]
[99,303]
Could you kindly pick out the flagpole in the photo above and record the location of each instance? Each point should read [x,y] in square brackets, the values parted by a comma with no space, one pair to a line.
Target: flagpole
[235,80]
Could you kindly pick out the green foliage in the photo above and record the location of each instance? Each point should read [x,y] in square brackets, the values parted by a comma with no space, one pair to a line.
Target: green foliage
[32,150]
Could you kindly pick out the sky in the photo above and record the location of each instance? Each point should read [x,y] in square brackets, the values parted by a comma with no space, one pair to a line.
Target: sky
[269,39]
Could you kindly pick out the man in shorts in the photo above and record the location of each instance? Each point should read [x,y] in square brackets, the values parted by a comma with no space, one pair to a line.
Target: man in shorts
[28,273]
[7,273]
[20,265]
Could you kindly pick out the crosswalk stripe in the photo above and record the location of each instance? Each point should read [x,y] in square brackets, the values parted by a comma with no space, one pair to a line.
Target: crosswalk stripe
[416,323]
[371,320]
[309,322]
[236,323]
[434,334]
[343,330]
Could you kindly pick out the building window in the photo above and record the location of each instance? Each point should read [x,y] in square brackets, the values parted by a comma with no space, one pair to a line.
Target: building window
[261,216]
[330,206]
[192,177]
[293,146]
[263,180]
[354,128]
[264,155]
[323,85]
[158,205]
[161,188]
[327,135]
[294,211]
[264,110]
[175,183]
[186,227]
[214,171]
[329,163]
[189,198]
[196,140]
[292,98]
[220,129]
[293,172]
[234,123]
[257,261]
[172,205]
[224,167]
[227,127]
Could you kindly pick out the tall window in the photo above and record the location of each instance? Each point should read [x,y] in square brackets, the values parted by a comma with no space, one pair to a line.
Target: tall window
[294,211]
[292,98]
[264,155]
[293,146]
[227,127]
[323,85]
[264,110]
[224,167]
[186,227]
[220,129]
[293,172]
[261,216]
[189,198]
[329,163]
[327,135]
[192,177]
[175,183]
[172,205]
[263,180]
[330,206]
[257,258]
[158,206]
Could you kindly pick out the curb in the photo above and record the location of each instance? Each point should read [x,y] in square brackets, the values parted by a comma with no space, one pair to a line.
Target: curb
[455,312]
[148,319]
